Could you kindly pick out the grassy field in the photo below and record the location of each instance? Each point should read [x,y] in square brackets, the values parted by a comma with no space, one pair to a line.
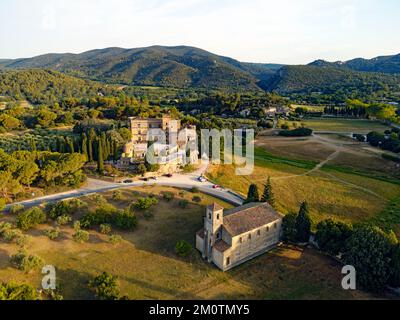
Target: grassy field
[331,192]
[352,154]
[148,267]
[344,125]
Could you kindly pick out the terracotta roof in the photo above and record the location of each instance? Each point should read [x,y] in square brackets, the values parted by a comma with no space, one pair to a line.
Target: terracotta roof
[215,207]
[249,217]
[221,246]
[200,233]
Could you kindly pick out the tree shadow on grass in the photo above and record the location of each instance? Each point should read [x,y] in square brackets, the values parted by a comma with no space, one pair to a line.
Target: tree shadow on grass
[73,285]
[4,259]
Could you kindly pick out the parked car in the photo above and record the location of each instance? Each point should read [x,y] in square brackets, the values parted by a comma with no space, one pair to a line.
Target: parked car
[127,181]
[154,178]
[169,175]
[216,186]
[201,179]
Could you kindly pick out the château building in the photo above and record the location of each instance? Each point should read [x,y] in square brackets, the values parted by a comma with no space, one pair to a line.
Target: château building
[170,142]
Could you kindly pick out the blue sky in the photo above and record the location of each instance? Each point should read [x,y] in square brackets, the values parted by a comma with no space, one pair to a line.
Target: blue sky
[284,31]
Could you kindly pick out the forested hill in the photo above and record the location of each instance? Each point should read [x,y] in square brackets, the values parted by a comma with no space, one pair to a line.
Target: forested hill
[328,80]
[383,64]
[193,68]
[155,66]
[48,87]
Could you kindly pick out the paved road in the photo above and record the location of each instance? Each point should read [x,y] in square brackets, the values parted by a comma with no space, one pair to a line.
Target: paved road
[184,181]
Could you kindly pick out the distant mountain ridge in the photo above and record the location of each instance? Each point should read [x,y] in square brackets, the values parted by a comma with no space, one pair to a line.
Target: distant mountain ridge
[383,64]
[184,66]
[179,66]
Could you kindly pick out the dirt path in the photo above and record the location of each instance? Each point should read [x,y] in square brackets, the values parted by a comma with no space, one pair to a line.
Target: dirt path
[316,168]
[339,147]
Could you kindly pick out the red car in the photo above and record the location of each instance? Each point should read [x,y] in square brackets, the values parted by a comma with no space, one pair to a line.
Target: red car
[216,186]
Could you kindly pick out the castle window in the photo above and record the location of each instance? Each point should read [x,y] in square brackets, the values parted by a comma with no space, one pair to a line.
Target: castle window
[228,261]
[209,216]
[217,216]
[267,229]
[275,226]
[241,240]
[249,237]
[259,232]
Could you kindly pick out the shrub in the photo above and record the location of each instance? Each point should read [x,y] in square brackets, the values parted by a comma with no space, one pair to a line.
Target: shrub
[53,234]
[359,137]
[141,169]
[114,239]
[63,220]
[182,193]
[332,236]
[195,190]
[98,199]
[105,287]
[10,235]
[65,208]
[117,195]
[25,262]
[5,226]
[126,220]
[369,250]
[22,240]
[289,231]
[285,126]
[17,292]
[183,248]
[81,236]
[168,196]
[105,228]
[299,132]
[30,218]
[2,204]
[16,208]
[183,203]
[144,203]
[104,214]
[77,225]
[196,199]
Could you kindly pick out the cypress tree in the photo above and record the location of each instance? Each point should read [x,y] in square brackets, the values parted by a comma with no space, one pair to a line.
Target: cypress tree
[91,141]
[100,161]
[70,145]
[85,146]
[268,195]
[253,195]
[115,153]
[303,223]
[104,145]
[33,144]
